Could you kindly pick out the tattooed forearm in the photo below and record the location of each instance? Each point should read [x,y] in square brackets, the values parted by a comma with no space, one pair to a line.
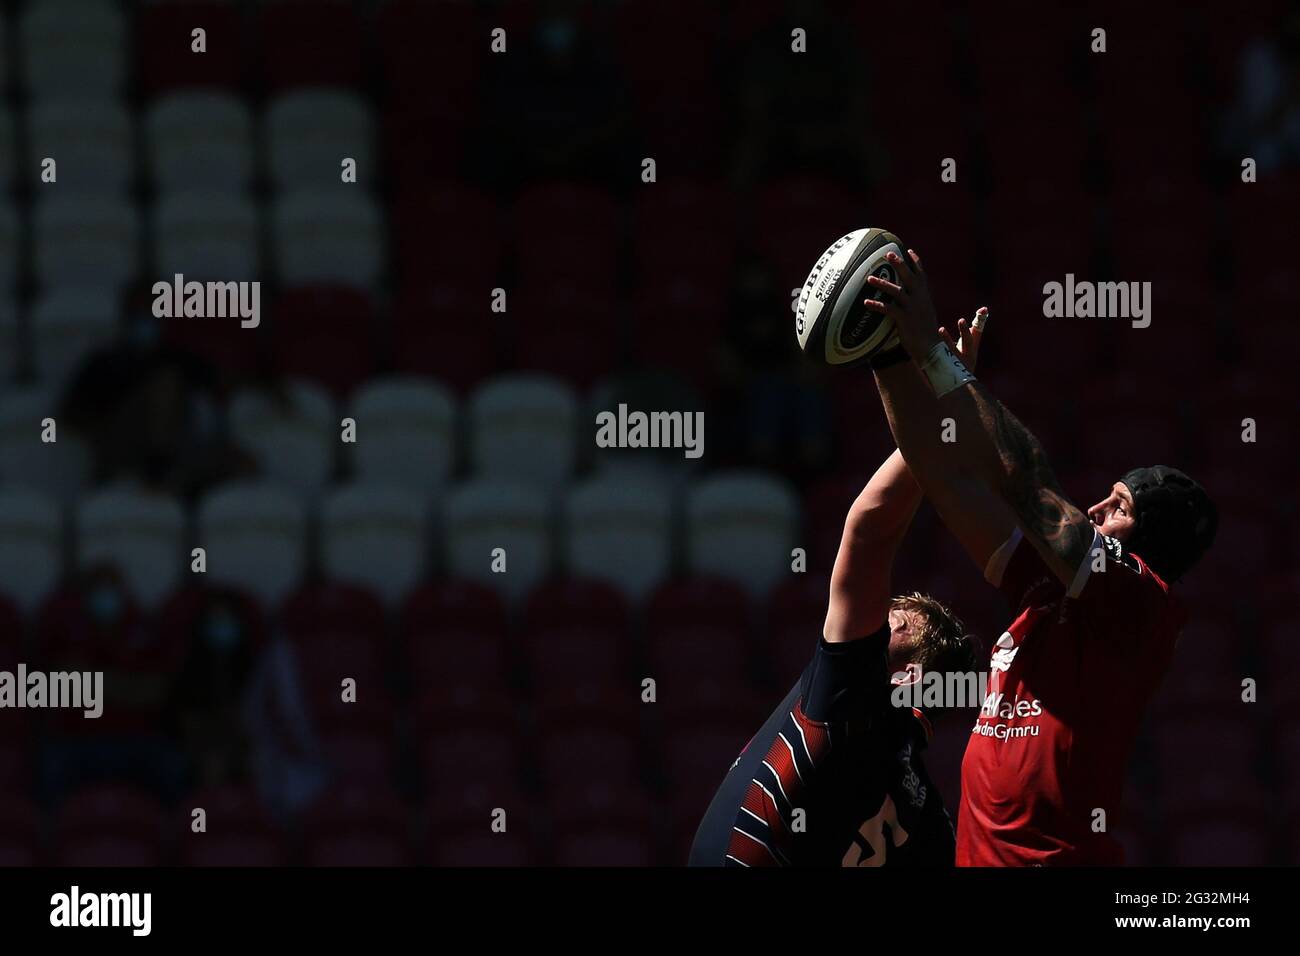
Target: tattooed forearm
[1025,480]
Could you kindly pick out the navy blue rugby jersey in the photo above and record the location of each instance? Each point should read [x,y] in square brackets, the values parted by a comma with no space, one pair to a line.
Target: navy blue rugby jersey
[833,778]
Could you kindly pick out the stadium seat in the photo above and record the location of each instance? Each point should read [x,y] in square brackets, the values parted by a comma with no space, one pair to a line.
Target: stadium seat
[451,755]
[374,535]
[448,233]
[92,142]
[567,231]
[31,546]
[796,611]
[108,849]
[357,825]
[140,534]
[293,436]
[328,237]
[565,329]
[60,468]
[1222,843]
[619,530]
[481,516]
[19,831]
[94,239]
[452,625]
[524,428]
[11,241]
[741,526]
[575,630]
[604,846]
[207,237]
[475,847]
[73,47]
[199,140]
[164,45]
[577,756]
[255,538]
[8,142]
[812,215]
[445,57]
[325,333]
[110,808]
[406,433]
[310,43]
[339,630]
[684,227]
[437,332]
[235,850]
[310,132]
[66,324]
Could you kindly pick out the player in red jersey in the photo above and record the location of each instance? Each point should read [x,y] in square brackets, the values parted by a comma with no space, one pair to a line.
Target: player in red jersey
[1094,622]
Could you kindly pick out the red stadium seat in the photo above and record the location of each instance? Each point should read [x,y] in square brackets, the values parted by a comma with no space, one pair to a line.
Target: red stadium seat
[583,802]
[613,703]
[812,214]
[565,329]
[447,333]
[164,45]
[456,623]
[604,846]
[450,756]
[107,849]
[476,847]
[1222,843]
[795,614]
[358,849]
[589,754]
[447,233]
[310,43]
[360,754]
[567,231]
[241,849]
[428,46]
[325,333]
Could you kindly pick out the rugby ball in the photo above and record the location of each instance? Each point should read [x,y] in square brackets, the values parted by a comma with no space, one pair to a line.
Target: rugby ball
[831,323]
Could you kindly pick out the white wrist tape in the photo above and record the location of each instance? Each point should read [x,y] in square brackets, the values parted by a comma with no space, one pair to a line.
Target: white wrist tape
[944,371]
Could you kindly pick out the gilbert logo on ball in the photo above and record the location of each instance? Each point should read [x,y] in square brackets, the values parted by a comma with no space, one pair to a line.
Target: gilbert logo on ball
[831,323]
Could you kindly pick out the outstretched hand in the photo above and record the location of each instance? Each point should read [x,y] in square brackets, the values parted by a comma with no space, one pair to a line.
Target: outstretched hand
[911,308]
[969,336]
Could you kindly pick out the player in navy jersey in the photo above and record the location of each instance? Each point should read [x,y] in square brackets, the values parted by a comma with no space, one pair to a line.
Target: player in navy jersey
[835,776]
[1094,622]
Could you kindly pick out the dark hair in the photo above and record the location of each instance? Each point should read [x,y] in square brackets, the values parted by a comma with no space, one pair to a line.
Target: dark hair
[1175,522]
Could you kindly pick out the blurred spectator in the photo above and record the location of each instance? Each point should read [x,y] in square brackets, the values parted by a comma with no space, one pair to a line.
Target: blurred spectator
[782,417]
[95,625]
[558,108]
[791,122]
[1264,122]
[239,708]
[150,414]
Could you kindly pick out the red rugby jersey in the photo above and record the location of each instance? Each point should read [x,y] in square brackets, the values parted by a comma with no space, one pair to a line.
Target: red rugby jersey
[1068,682]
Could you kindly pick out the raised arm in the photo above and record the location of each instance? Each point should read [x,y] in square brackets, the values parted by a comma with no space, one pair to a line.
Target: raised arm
[874,528]
[992,445]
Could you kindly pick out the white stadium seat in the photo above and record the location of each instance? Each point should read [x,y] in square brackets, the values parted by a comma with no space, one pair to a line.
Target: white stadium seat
[85,240]
[60,468]
[255,538]
[140,534]
[206,236]
[328,236]
[482,515]
[375,536]
[742,526]
[199,140]
[294,441]
[406,433]
[524,427]
[31,546]
[620,530]
[91,142]
[67,324]
[73,47]
[310,132]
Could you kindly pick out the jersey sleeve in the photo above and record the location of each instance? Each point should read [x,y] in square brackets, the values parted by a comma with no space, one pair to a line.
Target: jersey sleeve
[848,680]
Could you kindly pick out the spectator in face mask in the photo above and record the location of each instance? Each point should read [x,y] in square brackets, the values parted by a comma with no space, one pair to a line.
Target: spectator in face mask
[95,625]
[239,707]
